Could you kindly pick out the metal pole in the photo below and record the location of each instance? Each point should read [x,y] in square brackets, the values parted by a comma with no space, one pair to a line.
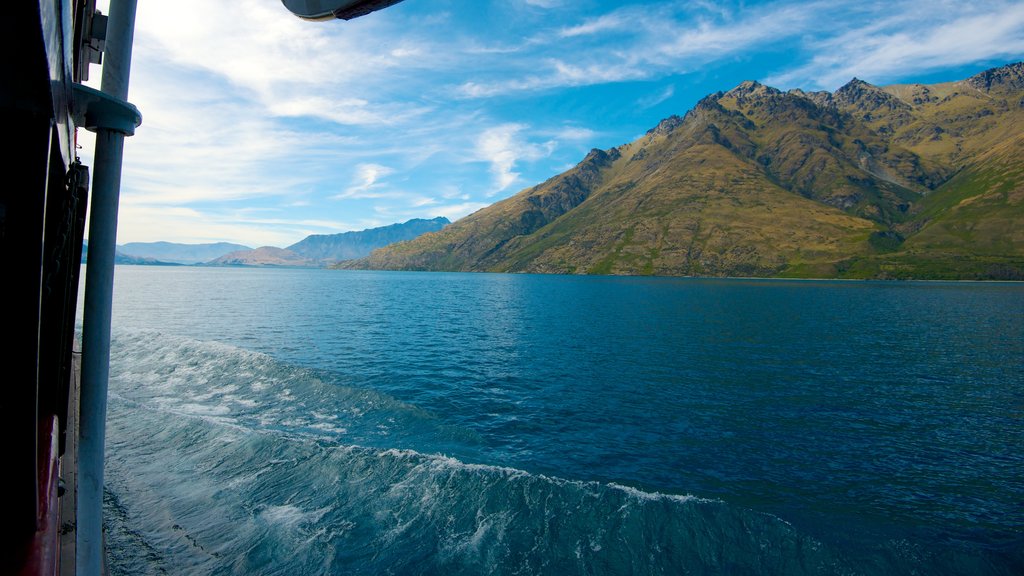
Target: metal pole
[99,288]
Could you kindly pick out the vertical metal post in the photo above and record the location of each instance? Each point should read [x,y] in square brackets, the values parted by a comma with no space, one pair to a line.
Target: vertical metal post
[99,287]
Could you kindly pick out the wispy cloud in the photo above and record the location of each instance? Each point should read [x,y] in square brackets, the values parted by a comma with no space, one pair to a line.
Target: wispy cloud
[503,146]
[604,23]
[453,192]
[646,42]
[574,133]
[544,3]
[187,225]
[198,146]
[840,39]
[913,37]
[355,111]
[259,127]
[657,98]
[367,178]
[455,211]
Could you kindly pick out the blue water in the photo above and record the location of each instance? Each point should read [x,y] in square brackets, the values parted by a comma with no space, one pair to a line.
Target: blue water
[338,422]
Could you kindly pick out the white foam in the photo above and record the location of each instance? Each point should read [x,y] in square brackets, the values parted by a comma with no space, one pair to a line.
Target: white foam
[291,515]
[286,515]
[655,496]
[329,427]
[204,409]
[249,478]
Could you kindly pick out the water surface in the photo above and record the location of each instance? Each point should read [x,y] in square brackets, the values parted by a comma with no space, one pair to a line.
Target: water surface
[314,421]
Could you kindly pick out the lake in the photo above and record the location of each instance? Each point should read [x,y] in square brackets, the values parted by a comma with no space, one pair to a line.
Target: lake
[294,421]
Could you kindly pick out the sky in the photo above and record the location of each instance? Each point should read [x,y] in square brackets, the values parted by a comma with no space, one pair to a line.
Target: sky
[260,128]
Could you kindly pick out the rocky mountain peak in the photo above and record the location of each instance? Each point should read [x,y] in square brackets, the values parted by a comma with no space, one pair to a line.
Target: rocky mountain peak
[821,97]
[860,95]
[855,89]
[749,88]
[666,126]
[1009,77]
[600,158]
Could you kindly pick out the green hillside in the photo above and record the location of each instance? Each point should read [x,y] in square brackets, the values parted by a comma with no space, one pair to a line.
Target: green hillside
[905,181]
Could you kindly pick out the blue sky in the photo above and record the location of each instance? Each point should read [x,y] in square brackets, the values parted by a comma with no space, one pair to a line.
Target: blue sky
[261,128]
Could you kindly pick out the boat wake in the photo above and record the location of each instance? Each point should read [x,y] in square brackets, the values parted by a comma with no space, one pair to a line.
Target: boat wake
[221,460]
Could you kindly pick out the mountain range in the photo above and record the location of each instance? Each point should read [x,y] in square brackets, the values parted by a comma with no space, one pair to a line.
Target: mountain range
[899,181]
[327,249]
[171,252]
[313,251]
[129,259]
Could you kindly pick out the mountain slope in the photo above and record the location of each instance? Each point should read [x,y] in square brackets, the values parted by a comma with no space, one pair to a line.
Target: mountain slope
[325,249]
[262,256]
[128,259]
[330,248]
[900,181]
[178,253]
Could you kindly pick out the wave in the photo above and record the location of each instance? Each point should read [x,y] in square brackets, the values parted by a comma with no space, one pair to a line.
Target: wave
[225,461]
[233,386]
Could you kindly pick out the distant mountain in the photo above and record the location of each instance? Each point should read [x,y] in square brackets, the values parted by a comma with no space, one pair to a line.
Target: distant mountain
[179,253]
[331,248]
[264,256]
[327,249]
[923,181]
[122,258]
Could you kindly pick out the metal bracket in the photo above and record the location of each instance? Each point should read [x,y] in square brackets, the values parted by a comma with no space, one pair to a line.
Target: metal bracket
[95,110]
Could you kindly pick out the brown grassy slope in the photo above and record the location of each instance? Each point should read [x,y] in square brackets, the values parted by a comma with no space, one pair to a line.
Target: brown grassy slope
[678,201]
[906,181]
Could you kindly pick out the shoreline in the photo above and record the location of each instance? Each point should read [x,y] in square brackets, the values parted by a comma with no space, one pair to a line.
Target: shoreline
[557,274]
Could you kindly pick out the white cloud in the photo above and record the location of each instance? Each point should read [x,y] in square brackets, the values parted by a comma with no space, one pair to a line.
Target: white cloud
[421,201]
[455,211]
[197,145]
[567,74]
[560,74]
[913,38]
[366,179]
[453,192]
[708,40]
[289,66]
[483,90]
[407,52]
[247,106]
[657,98]
[878,40]
[503,146]
[641,43]
[355,111]
[141,223]
[575,133]
[607,22]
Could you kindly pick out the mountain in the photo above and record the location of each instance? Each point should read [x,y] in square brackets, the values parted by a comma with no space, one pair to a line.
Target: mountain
[263,256]
[122,258]
[178,253]
[331,248]
[315,250]
[902,181]
[326,249]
